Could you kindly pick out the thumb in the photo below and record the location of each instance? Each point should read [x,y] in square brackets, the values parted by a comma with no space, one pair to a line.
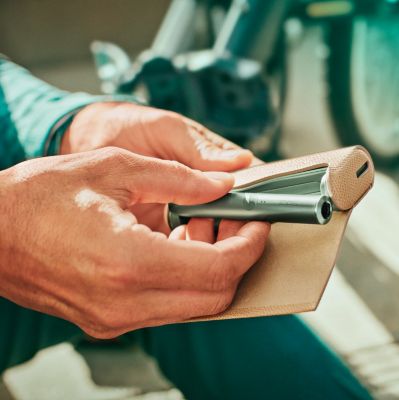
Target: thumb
[151,180]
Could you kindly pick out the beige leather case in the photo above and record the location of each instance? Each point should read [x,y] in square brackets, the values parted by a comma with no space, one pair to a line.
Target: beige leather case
[293,272]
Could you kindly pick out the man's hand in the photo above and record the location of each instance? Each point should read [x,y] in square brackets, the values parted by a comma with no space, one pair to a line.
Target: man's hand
[156,133]
[70,247]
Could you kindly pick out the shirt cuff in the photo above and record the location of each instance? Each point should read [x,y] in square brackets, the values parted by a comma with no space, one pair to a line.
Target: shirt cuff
[52,144]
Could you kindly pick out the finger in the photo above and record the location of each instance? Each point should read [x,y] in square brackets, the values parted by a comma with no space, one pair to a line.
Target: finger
[151,215]
[171,305]
[175,264]
[229,228]
[178,233]
[194,265]
[131,179]
[244,248]
[200,229]
[176,183]
[157,307]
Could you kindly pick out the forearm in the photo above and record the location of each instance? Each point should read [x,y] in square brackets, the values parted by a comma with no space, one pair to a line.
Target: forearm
[29,110]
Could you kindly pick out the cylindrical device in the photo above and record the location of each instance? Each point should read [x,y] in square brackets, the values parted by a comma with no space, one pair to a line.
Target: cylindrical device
[303,209]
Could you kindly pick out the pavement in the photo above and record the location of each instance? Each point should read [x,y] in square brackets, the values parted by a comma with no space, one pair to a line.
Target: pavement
[359,312]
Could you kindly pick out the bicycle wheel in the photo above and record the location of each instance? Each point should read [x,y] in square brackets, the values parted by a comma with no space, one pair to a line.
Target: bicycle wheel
[363,78]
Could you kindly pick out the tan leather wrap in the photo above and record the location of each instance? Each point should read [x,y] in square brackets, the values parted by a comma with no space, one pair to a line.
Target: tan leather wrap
[293,272]
[345,187]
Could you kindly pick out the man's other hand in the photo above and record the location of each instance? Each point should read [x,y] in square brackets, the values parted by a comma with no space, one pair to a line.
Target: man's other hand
[156,133]
[71,246]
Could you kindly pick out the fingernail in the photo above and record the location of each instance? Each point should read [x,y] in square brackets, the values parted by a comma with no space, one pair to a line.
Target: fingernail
[219,176]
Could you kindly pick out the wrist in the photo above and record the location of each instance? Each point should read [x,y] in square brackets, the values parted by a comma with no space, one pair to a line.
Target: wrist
[85,129]
[57,133]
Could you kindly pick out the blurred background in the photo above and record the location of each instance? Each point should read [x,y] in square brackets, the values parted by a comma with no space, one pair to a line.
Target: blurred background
[285,78]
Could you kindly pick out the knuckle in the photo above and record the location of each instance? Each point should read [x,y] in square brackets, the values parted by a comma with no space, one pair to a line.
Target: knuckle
[103,316]
[191,178]
[178,168]
[106,322]
[98,333]
[185,175]
[222,303]
[110,152]
[121,157]
[104,334]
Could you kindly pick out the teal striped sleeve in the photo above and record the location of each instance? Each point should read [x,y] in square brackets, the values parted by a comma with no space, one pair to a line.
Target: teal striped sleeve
[29,111]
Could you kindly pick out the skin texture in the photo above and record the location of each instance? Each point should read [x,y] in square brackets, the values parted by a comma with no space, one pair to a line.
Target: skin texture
[155,133]
[83,236]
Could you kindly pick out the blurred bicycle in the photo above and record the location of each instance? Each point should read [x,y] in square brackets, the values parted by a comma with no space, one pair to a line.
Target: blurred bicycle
[223,63]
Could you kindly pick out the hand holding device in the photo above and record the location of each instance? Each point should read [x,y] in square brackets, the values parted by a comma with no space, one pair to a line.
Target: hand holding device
[71,247]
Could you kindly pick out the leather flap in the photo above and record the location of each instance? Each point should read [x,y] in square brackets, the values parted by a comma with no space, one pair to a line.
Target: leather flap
[293,272]
[345,186]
